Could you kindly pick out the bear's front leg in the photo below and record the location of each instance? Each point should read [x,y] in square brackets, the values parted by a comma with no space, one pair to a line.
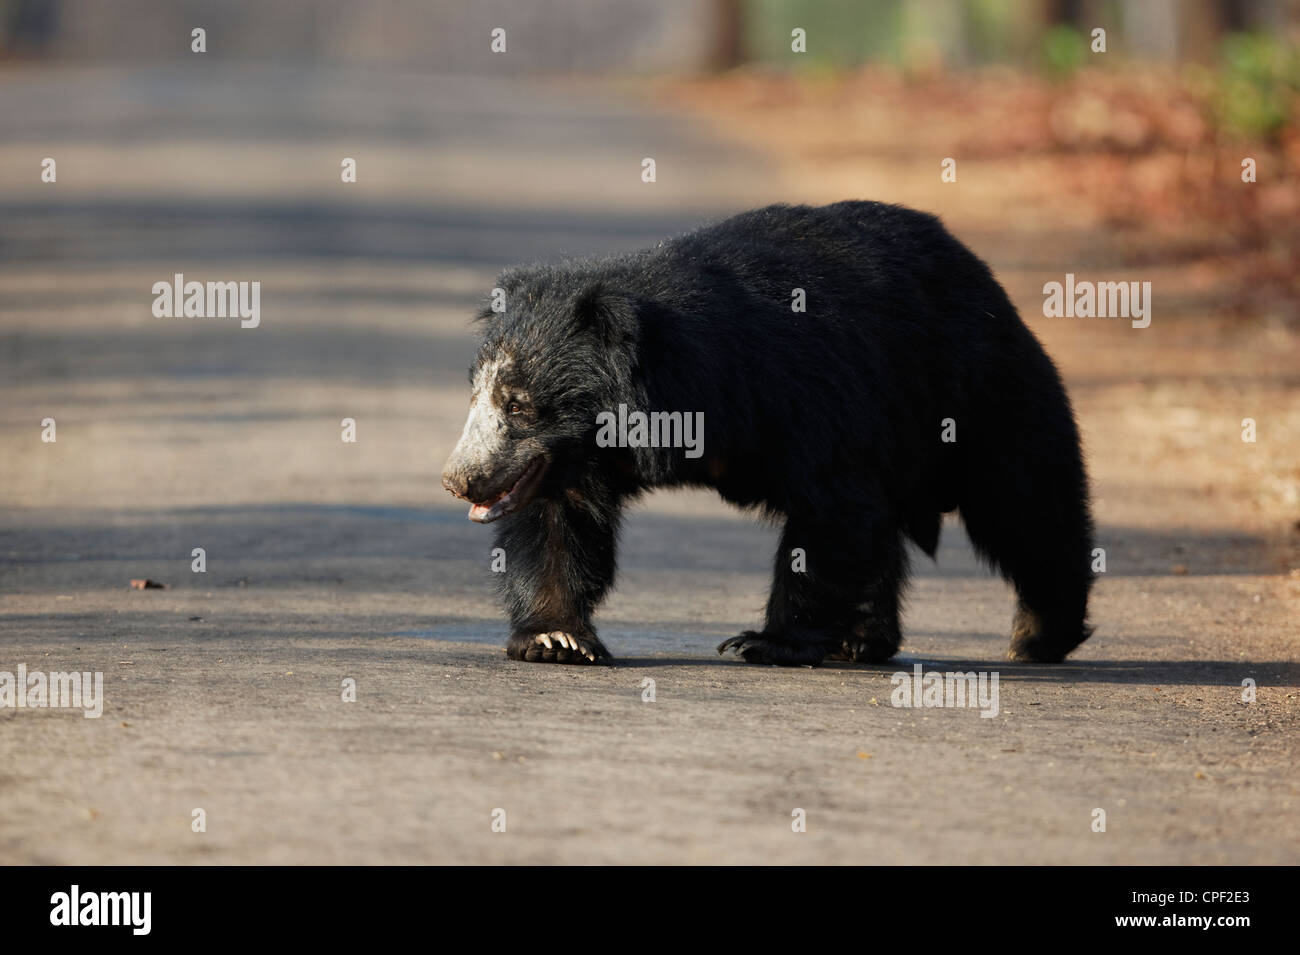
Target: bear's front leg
[559,564]
[835,593]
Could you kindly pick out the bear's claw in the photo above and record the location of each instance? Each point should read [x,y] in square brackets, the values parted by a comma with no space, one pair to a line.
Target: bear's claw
[556,646]
[755,647]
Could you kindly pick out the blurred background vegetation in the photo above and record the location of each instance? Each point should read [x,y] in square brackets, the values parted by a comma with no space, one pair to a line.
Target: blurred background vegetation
[1155,128]
[1240,56]
[1151,133]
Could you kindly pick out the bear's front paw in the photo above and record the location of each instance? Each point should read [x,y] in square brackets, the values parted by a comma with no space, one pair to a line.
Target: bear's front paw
[776,649]
[865,646]
[556,646]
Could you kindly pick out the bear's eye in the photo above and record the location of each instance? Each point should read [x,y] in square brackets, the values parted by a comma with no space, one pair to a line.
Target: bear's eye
[514,408]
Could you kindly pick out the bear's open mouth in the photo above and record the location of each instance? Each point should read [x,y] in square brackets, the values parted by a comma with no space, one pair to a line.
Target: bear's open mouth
[509,501]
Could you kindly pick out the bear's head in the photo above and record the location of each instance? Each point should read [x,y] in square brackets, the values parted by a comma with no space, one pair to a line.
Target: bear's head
[555,352]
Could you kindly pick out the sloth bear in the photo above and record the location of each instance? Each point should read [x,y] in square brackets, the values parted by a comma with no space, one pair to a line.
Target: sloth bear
[859,372]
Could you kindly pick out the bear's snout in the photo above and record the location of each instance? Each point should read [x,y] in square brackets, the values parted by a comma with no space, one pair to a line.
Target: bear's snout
[460,482]
[473,482]
[453,483]
[494,495]
[470,471]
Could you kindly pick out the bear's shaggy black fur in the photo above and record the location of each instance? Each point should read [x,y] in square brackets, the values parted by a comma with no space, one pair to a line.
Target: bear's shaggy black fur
[833,419]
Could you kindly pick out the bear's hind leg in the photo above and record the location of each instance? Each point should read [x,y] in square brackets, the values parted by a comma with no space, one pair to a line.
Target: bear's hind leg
[1049,623]
[820,604]
[1032,522]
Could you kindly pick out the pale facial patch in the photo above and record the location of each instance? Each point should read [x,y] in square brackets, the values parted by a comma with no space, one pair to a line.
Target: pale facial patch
[485,434]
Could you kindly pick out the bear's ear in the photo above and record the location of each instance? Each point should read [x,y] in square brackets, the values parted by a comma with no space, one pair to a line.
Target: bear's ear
[606,312]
